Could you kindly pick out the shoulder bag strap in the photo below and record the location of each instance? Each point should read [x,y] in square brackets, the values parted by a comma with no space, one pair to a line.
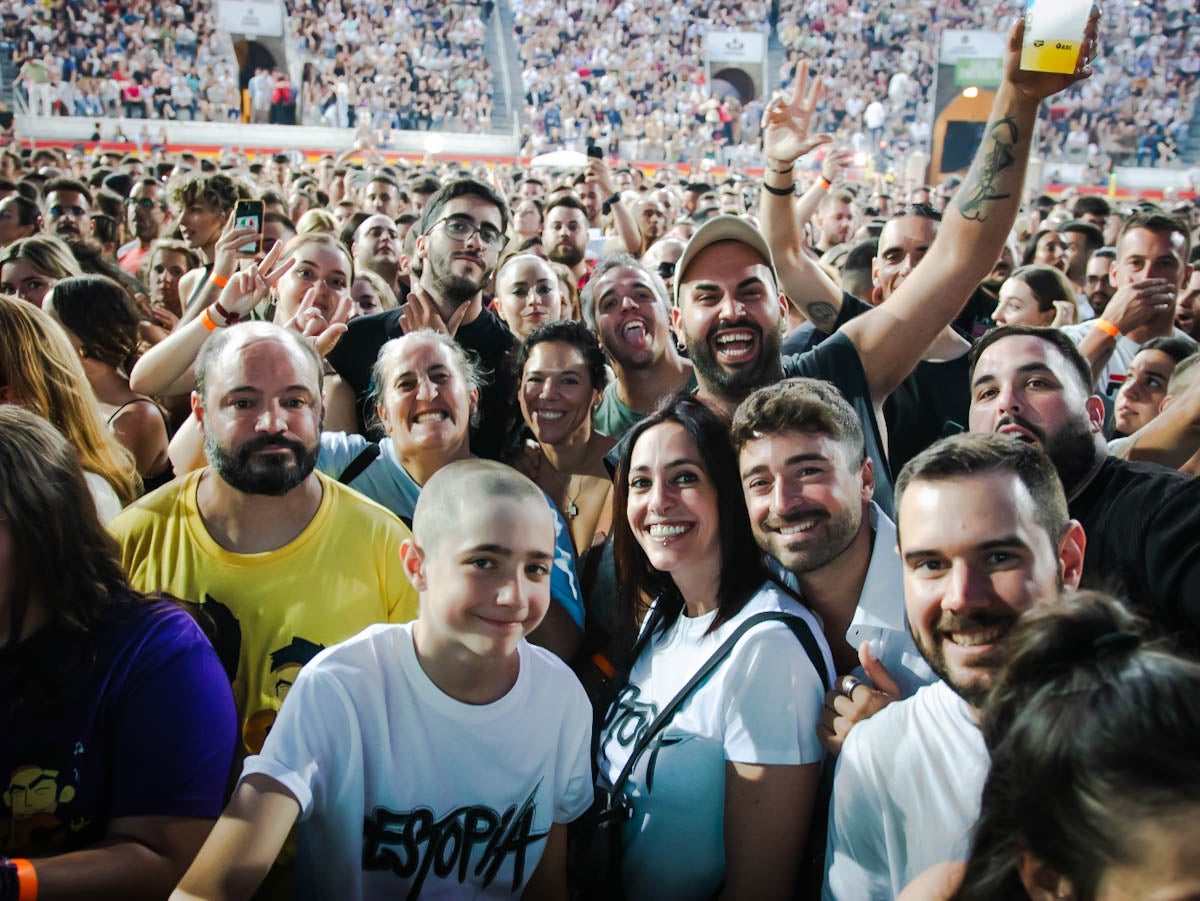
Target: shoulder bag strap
[798,626]
[364,459]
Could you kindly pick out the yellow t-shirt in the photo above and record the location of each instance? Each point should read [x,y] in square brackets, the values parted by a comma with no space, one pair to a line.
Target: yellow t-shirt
[273,611]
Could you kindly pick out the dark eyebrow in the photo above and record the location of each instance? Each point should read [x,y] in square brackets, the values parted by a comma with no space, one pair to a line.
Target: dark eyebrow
[1021,370]
[501,550]
[790,461]
[1005,542]
[683,461]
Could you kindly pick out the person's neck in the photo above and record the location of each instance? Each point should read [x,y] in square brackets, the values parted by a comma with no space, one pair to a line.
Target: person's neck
[146,242]
[1161,328]
[573,454]
[446,308]
[255,523]
[209,251]
[422,463]
[109,385]
[722,406]
[641,388]
[466,677]
[579,270]
[386,271]
[698,584]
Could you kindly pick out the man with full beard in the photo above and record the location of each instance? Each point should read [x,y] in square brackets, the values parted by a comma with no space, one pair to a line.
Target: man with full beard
[1141,519]
[984,536]
[808,485]
[460,236]
[275,553]
[565,236]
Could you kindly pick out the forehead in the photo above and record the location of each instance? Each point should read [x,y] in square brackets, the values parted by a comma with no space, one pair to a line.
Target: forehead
[420,354]
[726,261]
[963,511]
[478,208]
[320,254]
[663,443]
[266,363]
[563,214]
[1098,265]
[377,221]
[380,187]
[141,189]
[1015,287]
[171,258]
[1144,242]
[66,198]
[520,525]
[776,448]
[551,355]
[1153,361]
[907,230]
[623,278]
[531,269]
[1009,354]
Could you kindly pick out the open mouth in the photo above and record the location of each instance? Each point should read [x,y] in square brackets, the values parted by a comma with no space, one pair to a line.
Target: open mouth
[1020,432]
[664,530]
[735,346]
[977,637]
[800,526]
[635,334]
[430,416]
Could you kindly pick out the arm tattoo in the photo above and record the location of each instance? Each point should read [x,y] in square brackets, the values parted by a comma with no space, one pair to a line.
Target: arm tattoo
[821,314]
[980,189]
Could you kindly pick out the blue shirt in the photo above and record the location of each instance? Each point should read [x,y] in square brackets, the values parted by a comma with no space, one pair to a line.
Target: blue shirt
[387,483]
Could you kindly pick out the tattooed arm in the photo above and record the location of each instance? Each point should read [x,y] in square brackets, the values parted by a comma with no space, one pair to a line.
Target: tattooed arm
[892,338]
[785,140]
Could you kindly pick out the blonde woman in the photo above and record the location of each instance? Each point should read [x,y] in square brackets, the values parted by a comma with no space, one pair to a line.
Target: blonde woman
[30,267]
[41,371]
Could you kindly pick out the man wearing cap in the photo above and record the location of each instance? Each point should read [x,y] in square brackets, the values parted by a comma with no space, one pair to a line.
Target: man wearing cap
[729,307]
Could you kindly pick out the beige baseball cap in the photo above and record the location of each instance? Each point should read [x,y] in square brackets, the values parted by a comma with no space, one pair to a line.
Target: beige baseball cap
[721,228]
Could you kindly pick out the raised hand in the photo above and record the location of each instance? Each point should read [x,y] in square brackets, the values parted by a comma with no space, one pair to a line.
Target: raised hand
[421,312]
[835,161]
[598,172]
[226,254]
[321,325]
[248,288]
[786,120]
[1040,85]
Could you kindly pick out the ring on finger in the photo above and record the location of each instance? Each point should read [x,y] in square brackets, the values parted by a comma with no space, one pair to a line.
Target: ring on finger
[847,684]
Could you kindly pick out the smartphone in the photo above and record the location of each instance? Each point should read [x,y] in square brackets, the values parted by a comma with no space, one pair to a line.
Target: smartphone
[249,214]
[595,152]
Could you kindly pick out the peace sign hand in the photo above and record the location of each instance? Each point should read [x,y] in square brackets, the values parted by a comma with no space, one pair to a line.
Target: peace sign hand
[421,312]
[786,120]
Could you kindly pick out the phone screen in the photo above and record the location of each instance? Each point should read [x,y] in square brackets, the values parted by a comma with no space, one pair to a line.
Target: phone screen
[249,214]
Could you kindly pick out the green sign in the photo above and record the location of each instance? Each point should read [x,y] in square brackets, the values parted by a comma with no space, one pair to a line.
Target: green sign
[982,73]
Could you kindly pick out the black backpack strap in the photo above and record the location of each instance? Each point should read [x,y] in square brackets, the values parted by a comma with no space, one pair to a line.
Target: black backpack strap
[364,459]
[799,628]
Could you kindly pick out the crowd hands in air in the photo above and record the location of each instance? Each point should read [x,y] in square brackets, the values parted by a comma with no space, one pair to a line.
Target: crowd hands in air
[919,465]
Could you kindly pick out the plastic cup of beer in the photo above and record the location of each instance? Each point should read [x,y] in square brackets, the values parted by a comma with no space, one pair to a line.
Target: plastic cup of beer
[1054,31]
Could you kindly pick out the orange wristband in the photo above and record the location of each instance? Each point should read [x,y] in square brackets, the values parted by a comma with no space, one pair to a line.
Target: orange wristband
[207,321]
[27,881]
[825,183]
[1107,327]
[219,281]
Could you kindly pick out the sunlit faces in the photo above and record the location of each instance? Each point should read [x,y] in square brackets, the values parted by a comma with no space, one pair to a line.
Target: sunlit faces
[590,196]
[485,584]
[556,393]
[975,558]
[1144,254]
[261,415]
[903,243]
[364,297]
[731,316]
[382,197]
[1143,390]
[672,502]
[652,220]
[527,219]
[1163,863]
[565,235]
[1050,250]
[321,267]
[1096,283]
[1019,305]
[166,271]
[68,214]
[527,295]
[631,318]
[200,225]
[1024,387]
[805,496]
[377,239]
[426,402]
[20,279]
[835,219]
[10,222]
[456,269]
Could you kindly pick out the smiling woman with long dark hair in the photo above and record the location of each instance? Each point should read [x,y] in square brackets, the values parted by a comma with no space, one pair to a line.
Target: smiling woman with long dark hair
[722,803]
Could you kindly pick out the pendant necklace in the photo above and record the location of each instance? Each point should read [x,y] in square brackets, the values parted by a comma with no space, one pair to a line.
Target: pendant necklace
[572,507]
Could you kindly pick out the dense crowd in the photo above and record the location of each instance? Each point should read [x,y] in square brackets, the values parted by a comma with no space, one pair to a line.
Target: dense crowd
[373,529]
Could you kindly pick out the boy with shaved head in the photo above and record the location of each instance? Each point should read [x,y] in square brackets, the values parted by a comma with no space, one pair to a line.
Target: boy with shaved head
[442,756]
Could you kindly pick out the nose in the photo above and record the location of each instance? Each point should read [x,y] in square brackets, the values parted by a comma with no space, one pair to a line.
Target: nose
[731,308]
[1007,400]
[1131,390]
[628,303]
[272,419]
[514,593]
[475,240]
[426,389]
[965,587]
[783,497]
[658,498]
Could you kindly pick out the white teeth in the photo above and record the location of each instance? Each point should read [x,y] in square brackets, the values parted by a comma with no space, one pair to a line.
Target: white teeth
[431,417]
[731,337]
[665,530]
[796,528]
[975,639]
[550,415]
[635,325]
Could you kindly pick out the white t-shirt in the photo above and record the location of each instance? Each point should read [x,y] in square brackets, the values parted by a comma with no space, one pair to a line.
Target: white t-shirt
[905,795]
[404,791]
[761,705]
[1123,353]
[108,505]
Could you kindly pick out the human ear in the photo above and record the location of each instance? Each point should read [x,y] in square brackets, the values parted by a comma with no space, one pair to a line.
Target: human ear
[1095,413]
[1071,548]
[412,558]
[1042,883]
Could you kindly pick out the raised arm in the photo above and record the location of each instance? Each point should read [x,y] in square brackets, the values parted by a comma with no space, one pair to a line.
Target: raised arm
[1172,438]
[627,227]
[785,140]
[892,338]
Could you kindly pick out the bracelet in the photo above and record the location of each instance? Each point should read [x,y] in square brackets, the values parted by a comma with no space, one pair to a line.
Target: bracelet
[219,280]
[229,318]
[1107,327]
[779,192]
[18,881]
[207,321]
[824,182]
[616,198]
[781,171]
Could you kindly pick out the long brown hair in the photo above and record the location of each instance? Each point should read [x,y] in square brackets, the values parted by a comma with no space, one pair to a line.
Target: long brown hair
[43,374]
